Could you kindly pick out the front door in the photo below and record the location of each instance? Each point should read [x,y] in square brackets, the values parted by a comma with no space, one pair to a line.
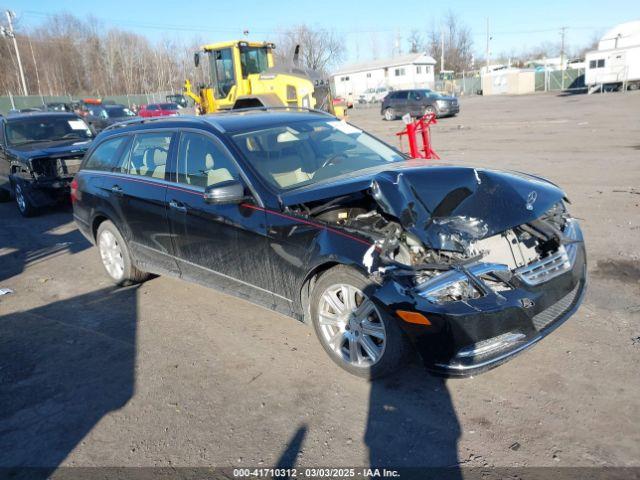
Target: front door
[223,246]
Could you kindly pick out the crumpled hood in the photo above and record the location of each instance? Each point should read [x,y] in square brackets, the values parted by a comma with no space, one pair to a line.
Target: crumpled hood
[435,202]
[51,149]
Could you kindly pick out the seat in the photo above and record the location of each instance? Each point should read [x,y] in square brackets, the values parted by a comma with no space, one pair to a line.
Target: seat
[215,175]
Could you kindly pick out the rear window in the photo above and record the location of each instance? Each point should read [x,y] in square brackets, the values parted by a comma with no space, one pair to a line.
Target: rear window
[106,157]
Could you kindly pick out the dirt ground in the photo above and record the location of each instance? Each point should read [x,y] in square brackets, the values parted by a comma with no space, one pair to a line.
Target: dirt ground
[173,374]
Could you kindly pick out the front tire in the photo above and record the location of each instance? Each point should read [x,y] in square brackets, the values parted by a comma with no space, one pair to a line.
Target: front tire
[24,204]
[116,257]
[389,114]
[356,333]
[430,109]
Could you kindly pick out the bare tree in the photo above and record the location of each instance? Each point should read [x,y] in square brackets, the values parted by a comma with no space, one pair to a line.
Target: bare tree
[416,43]
[458,44]
[320,49]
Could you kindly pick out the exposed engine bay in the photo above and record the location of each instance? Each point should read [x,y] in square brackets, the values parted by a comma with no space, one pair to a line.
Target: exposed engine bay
[55,167]
[396,251]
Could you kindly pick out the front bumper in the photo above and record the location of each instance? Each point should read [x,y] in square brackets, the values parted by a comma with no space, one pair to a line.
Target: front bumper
[466,338]
[47,192]
[449,109]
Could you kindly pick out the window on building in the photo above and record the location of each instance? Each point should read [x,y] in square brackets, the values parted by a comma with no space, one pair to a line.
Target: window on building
[399,72]
[419,69]
[344,79]
[601,63]
[368,75]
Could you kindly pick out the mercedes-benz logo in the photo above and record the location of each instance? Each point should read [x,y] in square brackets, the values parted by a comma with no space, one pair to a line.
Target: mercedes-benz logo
[531,199]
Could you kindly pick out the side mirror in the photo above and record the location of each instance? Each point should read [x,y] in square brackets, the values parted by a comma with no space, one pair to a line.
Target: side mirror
[225,193]
[196,59]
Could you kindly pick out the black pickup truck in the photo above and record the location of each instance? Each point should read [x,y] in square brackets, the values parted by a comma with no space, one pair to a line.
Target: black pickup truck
[39,155]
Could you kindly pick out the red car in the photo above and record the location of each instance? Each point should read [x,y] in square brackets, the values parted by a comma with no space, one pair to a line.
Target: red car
[158,110]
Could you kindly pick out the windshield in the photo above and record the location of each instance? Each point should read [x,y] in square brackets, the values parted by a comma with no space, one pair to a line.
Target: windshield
[119,112]
[302,153]
[39,129]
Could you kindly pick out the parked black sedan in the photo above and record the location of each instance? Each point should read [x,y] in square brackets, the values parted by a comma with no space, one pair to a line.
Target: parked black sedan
[314,218]
[418,103]
[39,155]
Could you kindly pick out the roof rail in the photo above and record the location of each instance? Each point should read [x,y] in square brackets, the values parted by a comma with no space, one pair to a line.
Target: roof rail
[143,120]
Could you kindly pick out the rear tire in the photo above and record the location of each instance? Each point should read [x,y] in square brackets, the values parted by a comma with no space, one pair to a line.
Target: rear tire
[24,204]
[354,331]
[389,114]
[116,257]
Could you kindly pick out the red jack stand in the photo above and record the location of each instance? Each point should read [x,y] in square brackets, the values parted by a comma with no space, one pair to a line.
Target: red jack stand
[420,127]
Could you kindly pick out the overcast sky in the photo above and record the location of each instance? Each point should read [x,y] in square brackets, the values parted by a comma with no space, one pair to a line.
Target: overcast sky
[366,26]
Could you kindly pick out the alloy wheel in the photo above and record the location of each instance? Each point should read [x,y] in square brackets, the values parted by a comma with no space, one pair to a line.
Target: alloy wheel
[20,200]
[389,114]
[111,254]
[351,325]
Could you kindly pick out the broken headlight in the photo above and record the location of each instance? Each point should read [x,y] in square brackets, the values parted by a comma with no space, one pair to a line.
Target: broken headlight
[451,286]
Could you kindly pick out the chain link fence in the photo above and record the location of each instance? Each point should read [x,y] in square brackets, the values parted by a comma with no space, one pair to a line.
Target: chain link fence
[558,80]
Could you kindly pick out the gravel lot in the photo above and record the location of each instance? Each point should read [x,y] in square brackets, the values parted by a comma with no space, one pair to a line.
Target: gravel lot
[173,374]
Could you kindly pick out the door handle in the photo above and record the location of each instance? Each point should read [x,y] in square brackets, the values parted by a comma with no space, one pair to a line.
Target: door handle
[180,207]
[117,189]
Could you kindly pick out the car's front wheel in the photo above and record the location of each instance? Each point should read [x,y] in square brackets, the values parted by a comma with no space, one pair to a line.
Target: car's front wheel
[389,114]
[352,329]
[116,257]
[23,202]
[430,109]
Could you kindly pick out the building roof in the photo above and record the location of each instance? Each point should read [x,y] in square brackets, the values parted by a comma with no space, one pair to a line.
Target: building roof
[412,58]
[623,35]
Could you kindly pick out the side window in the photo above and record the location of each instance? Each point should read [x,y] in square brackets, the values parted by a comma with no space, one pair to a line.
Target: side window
[106,157]
[148,155]
[152,107]
[400,95]
[202,162]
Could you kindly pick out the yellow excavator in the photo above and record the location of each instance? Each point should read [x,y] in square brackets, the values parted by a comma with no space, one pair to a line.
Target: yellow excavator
[243,75]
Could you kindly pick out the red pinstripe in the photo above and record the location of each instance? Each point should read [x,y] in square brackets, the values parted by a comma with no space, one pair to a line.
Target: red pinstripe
[247,205]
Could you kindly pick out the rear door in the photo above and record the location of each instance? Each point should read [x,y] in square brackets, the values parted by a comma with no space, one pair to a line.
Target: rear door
[223,246]
[138,195]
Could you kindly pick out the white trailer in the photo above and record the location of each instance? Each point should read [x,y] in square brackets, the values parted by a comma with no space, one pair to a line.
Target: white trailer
[617,60]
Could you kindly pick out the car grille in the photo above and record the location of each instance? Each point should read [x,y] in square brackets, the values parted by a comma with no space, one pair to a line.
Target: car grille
[546,268]
[67,167]
[549,315]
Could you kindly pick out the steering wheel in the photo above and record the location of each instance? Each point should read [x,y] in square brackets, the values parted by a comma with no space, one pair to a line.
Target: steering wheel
[331,160]
[326,166]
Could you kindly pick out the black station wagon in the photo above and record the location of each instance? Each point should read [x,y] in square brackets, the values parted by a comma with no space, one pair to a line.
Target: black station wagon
[314,218]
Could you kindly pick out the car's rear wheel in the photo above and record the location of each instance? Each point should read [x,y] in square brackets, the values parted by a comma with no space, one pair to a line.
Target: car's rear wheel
[352,329]
[389,114]
[24,204]
[116,257]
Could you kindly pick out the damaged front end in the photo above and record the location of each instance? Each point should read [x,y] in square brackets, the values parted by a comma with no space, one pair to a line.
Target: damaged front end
[494,261]
[47,179]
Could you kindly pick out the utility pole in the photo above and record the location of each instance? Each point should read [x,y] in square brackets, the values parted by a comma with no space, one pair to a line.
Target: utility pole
[487,51]
[9,33]
[441,50]
[562,34]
